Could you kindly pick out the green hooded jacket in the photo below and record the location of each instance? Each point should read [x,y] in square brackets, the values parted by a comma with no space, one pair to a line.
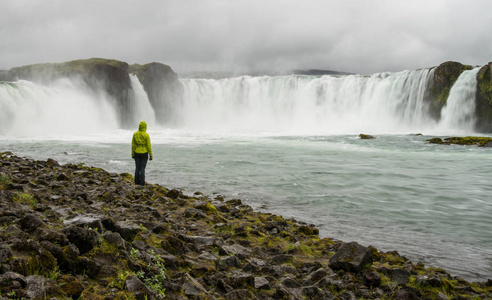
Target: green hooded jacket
[141,140]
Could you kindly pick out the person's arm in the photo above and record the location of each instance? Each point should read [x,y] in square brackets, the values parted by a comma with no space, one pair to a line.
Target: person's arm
[133,146]
[149,148]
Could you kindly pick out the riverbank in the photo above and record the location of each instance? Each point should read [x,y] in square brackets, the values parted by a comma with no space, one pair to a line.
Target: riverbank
[73,231]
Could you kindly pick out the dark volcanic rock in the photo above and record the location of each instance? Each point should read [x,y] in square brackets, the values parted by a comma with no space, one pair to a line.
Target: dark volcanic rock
[351,257]
[84,239]
[483,110]
[94,235]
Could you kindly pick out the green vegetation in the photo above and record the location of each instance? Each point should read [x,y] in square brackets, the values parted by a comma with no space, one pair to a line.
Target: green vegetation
[467,140]
[24,198]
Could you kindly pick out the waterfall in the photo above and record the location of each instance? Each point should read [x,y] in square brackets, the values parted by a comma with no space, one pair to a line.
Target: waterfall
[65,108]
[459,112]
[381,103]
[142,108]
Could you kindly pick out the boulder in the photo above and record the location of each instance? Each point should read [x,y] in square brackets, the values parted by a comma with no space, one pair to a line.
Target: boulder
[192,288]
[84,239]
[139,289]
[30,222]
[351,257]
[40,287]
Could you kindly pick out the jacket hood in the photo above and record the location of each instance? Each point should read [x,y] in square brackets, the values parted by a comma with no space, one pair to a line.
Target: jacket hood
[142,126]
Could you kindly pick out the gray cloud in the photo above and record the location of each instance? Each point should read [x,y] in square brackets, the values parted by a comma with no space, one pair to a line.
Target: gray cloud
[226,35]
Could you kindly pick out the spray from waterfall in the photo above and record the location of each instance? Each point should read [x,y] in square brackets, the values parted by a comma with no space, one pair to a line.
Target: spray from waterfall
[64,108]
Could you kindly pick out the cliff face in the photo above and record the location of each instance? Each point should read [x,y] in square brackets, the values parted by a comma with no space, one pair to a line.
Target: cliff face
[162,86]
[484,99]
[445,75]
[111,76]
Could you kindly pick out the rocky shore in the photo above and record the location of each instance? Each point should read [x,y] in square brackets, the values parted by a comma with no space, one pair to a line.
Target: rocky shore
[77,232]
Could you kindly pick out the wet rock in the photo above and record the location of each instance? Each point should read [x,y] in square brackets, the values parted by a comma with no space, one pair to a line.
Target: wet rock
[400,276]
[366,136]
[30,223]
[174,246]
[228,262]
[128,230]
[5,253]
[84,239]
[312,292]
[71,286]
[70,258]
[291,283]
[194,213]
[280,259]
[372,279]
[236,249]
[201,241]
[12,279]
[114,238]
[240,279]
[347,295]
[40,287]
[315,277]
[50,235]
[351,257]
[191,287]
[174,194]
[407,293]
[279,271]
[261,283]
[139,289]
[88,266]
[241,294]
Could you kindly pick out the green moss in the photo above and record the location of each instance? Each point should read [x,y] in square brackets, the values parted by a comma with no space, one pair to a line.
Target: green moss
[24,198]
[484,80]
[467,140]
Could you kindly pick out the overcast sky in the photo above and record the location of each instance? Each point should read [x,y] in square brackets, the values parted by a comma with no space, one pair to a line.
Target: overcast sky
[360,36]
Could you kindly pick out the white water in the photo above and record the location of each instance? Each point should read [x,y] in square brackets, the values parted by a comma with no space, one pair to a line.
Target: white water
[381,103]
[459,112]
[289,145]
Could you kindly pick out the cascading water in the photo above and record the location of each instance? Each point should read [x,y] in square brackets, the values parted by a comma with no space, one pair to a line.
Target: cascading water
[459,112]
[384,103]
[65,108]
[143,108]
[381,103]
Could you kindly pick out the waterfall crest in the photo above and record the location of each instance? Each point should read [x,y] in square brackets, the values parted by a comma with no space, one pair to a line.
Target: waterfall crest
[381,103]
[384,103]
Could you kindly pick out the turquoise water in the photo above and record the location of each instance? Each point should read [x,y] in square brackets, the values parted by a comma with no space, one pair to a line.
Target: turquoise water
[396,192]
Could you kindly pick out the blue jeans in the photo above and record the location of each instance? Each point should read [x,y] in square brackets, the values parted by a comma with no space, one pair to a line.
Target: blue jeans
[140,164]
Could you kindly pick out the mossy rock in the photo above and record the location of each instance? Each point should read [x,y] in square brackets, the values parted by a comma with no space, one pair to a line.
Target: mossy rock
[483,109]
[467,141]
[445,75]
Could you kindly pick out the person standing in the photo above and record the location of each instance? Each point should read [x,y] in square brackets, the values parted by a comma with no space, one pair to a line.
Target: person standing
[141,152]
